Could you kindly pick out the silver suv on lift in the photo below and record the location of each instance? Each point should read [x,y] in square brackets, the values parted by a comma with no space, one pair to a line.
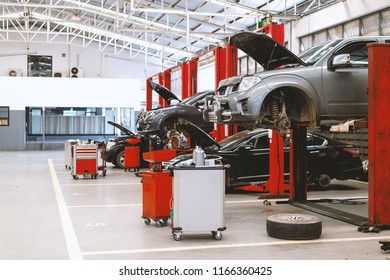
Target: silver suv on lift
[324,85]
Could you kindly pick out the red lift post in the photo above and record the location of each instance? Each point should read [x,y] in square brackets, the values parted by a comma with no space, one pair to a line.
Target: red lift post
[275,184]
[189,78]
[225,66]
[164,79]
[149,95]
[378,134]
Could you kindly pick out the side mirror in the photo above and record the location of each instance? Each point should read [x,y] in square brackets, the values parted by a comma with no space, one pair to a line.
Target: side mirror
[174,102]
[341,60]
[245,148]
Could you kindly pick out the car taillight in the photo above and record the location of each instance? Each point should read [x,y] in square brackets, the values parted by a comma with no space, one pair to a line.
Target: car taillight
[353,151]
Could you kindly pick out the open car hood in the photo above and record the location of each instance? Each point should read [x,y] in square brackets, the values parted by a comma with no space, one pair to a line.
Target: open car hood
[122,128]
[264,50]
[165,93]
[200,137]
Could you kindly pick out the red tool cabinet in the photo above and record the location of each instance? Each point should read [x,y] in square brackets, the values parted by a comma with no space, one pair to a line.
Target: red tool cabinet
[157,188]
[85,160]
[132,158]
[156,196]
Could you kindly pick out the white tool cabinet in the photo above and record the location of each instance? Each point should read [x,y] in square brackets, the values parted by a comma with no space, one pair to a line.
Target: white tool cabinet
[198,201]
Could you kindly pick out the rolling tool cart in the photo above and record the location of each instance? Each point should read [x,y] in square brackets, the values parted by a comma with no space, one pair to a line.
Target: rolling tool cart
[85,160]
[157,188]
[132,159]
[198,200]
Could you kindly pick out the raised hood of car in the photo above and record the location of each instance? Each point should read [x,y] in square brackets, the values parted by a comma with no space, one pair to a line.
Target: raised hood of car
[200,137]
[165,93]
[122,128]
[264,50]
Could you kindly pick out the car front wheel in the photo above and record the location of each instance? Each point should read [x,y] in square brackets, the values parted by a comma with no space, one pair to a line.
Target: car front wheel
[120,159]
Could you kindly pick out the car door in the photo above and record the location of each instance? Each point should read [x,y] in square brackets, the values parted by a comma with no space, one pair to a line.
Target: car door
[345,88]
[253,156]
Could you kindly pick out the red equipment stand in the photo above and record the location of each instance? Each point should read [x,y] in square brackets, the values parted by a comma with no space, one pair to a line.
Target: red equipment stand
[132,157]
[379,135]
[85,160]
[275,183]
[157,188]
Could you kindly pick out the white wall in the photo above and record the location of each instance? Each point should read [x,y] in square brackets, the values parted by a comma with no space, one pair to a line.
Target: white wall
[95,64]
[108,81]
[21,92]
[333,15]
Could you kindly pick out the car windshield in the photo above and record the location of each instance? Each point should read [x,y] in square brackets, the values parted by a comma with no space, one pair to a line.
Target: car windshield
[231,142]
[313,54]
[193,99]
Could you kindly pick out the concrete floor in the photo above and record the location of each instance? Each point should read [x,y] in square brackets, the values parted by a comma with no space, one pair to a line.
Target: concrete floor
[47,215]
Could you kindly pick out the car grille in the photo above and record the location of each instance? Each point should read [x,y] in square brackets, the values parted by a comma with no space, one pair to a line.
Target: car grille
[225,90]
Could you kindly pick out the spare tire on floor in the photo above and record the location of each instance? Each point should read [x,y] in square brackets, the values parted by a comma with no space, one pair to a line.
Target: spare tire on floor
[294,226]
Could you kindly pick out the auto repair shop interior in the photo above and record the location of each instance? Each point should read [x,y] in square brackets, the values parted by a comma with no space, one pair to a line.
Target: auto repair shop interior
[194,130]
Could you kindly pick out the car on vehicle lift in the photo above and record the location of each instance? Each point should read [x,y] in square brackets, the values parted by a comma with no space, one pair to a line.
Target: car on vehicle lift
[162,121]
[325,85]
[115,148]
[247,153]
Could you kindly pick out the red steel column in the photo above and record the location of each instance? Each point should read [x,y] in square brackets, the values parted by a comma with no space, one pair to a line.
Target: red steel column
[167,83]
[165,80]
[225,66]
[220,74]
[193,77]
[184,81]
[149,96]
[275,183]
[161,82]
[231,70]
[379,134]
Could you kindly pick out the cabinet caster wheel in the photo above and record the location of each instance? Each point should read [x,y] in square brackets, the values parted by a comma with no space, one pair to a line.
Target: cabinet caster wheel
[217,235]
[147,221]
[159,223]
[165,220]
[177,236]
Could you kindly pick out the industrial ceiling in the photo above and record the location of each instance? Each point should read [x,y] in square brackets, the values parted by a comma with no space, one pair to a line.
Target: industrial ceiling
[158,31]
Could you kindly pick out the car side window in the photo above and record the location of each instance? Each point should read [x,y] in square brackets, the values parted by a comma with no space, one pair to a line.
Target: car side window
[358,54]
[261,142]
[313,140]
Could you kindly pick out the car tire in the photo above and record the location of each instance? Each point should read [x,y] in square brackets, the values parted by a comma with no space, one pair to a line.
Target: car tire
[324,181]
[120,159]
[294,226]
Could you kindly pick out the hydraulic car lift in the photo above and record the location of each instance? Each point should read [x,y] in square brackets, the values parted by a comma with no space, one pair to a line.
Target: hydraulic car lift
[379,143]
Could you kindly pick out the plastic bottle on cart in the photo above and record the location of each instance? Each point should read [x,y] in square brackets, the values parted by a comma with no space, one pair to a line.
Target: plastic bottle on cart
[198,156]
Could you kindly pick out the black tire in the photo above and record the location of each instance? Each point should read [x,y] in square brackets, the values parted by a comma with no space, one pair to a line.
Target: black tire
[120,159]
[324,181]
[294,226]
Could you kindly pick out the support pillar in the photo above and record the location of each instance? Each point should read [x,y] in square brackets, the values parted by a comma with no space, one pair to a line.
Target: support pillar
[275,183]
[193,76]
[379,134]
[298,163]
[184,81]
[164,79]
[161,82]
[149,95]
[225,66]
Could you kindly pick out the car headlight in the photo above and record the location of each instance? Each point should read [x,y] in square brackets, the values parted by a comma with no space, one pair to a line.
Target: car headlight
[248,82]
